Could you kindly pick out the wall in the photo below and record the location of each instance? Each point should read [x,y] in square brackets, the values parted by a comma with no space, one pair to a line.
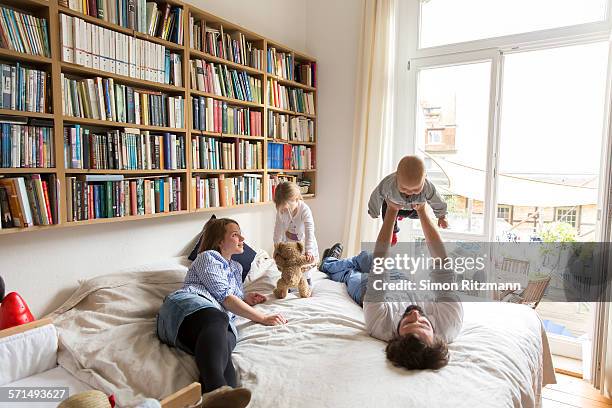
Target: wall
[45,266]
[332,36]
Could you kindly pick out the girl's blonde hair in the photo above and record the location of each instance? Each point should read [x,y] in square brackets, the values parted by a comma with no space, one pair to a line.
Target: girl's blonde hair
[214,233]
[286,191]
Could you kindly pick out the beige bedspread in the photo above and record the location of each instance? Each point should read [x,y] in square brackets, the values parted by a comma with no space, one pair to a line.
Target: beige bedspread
[321,358]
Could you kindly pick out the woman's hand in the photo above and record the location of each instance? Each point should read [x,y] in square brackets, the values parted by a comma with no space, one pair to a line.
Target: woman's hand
[273,320]
[254,298]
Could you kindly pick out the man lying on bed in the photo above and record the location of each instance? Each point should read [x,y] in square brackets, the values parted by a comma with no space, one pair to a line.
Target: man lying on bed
[419,328]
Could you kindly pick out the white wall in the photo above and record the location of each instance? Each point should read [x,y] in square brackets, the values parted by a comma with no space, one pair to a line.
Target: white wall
[44,266]
[332,36]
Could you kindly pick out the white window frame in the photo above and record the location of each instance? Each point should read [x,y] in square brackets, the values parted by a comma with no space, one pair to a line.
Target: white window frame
[411,59]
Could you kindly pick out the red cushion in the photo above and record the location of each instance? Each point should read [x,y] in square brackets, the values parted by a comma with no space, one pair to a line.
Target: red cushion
[14,311]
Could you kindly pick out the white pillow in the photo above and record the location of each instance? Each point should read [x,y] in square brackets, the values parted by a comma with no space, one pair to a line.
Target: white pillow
[28,353]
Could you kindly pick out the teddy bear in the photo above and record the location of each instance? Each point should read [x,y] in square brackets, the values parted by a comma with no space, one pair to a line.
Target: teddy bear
[292,264]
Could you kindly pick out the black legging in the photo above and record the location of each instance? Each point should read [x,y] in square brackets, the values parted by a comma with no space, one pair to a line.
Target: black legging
[208,335]
[409,213]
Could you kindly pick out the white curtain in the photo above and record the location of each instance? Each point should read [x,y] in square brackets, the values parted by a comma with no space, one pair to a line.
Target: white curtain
[373,118]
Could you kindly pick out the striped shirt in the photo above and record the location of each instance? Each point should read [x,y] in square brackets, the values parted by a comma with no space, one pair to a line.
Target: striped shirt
[215,278]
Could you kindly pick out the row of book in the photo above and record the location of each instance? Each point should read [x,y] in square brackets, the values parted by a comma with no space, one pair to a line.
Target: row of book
[212,154]
[29,201]
[24,89]
[219,80]
[103,99]
[162,21]
[23,32]
[218,43]
[293,99]
[107,196]
[290,128]
[288,157]
[99,48]
[280,64]
[23,146]
[306,73]
[158,20]
[221,191]
[212,115]
[130,149]
[275,179]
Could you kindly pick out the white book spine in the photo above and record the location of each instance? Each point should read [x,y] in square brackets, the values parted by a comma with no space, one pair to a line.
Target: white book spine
[95,50]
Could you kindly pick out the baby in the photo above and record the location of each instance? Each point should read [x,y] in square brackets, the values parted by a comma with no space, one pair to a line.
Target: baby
[406,187]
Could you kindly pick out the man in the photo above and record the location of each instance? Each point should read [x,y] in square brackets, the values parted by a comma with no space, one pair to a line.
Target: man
[418,329]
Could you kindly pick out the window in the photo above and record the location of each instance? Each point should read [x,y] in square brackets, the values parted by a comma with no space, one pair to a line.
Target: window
[455,99]
[504,212]
[452,21]
[568,215]
[434,136]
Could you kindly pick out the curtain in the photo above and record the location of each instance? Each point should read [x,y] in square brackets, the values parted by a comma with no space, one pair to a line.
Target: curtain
[373,119]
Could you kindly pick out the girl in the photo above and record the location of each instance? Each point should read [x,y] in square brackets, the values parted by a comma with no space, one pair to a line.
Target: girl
[294,221]
[199,317]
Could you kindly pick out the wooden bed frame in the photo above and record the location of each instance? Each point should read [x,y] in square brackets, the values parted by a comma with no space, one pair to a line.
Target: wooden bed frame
[185,397]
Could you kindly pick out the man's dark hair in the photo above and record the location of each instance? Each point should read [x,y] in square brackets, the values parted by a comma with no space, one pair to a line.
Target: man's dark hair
[414,354]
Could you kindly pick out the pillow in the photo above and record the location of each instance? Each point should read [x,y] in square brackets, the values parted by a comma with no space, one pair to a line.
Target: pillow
[245,258]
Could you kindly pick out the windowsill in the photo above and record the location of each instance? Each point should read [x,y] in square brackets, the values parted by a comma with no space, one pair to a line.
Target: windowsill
[567,366]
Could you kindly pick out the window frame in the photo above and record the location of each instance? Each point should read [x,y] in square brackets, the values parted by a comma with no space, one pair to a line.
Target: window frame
[410,59]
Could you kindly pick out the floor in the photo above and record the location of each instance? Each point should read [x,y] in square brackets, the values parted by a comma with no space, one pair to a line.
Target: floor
[573,392]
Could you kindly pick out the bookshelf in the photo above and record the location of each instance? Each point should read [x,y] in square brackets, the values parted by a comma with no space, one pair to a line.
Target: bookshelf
[252,121]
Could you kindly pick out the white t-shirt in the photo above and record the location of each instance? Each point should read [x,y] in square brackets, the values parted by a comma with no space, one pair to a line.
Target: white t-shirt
[443,308]
[298,227]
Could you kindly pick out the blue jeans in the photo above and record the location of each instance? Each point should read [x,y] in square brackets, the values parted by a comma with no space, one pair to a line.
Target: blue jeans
[352,271]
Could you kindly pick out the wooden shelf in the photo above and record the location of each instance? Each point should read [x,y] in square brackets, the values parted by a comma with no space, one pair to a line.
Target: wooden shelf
[125,218]
[55,65]
[226,171]
[125,80]
[27,170]
[126,172]
[95,20]
[211,58]
[291,142]
[29,4]
[108,123]
[289,82]
[231,101]
[37,115]
[21,57]
[291,171]
[195,132]
[168,44]
[231,207]
[289,112]
[116,27]
[15,230]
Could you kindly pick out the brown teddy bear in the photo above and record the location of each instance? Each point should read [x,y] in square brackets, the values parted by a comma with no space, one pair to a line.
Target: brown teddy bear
[292,263]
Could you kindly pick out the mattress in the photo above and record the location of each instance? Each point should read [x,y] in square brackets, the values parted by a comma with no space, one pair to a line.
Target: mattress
[322,357]
[56,377]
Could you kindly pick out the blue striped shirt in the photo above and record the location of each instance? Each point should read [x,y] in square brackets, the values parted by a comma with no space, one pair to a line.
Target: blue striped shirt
[215,278]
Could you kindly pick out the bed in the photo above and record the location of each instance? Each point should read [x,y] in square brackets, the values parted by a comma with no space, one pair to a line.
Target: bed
[322,358]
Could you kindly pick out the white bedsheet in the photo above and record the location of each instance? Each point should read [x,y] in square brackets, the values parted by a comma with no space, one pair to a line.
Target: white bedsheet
[321,358]
[56,377]
[324,358]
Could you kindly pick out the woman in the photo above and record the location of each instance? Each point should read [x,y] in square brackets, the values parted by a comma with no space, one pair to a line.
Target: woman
[199,317]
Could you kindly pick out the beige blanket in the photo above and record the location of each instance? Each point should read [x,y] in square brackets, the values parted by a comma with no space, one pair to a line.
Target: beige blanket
[322,358]
[107,335]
